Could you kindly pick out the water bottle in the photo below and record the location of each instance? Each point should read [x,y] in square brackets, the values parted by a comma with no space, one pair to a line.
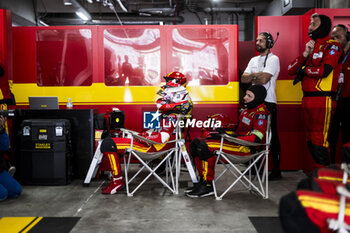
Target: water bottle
[69,103]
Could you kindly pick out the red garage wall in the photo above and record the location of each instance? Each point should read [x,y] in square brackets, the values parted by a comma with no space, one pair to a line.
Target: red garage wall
[208,99]
[207,55]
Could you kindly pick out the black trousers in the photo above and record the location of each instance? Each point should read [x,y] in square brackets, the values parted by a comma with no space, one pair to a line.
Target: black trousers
[341,120]
[275,141]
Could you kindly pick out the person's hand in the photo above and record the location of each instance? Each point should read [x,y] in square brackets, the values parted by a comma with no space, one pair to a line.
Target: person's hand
[309,48]
[300,75]
[254,77]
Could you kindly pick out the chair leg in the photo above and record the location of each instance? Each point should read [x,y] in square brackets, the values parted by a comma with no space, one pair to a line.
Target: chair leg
[266,176]
[126,167]
[245,176]
[145,164]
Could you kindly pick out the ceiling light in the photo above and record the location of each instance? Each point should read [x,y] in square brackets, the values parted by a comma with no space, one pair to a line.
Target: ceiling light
[122,6]
[83,15]
[43,23]
[286,2]
[67,2]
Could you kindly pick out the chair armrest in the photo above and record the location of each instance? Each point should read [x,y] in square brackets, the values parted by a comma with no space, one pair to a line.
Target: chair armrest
[134,134]
[241,141]
[128,131]
[345,167]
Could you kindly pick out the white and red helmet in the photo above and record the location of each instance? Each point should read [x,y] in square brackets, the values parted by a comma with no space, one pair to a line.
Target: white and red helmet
[175,79]
[174,100]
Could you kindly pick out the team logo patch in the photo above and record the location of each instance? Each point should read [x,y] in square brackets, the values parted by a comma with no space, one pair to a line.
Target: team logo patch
[245,120]
[331,52]
[317,55]
[260,122]
[151,120]
[261,117]
[335,47]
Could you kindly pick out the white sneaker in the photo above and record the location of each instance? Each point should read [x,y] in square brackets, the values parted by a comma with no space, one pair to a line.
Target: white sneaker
[12,170]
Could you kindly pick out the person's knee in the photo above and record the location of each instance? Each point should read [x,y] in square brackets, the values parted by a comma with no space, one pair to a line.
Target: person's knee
[3,193]
[203,151]
[15,191]
[9,186]
[108,145]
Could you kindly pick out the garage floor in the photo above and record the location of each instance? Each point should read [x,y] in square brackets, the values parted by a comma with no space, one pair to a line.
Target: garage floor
[151,209]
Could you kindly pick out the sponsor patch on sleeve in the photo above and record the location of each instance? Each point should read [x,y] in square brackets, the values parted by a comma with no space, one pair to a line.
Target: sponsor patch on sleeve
[261,117]
[258,134]
[335,47]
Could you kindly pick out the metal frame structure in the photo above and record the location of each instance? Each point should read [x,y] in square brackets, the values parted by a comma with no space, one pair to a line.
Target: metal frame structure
[172,167]
[339,225]
[257,182]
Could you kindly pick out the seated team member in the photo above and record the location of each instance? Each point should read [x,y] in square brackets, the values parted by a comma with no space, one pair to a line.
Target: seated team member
[174,100]
[251,127]
[9,187]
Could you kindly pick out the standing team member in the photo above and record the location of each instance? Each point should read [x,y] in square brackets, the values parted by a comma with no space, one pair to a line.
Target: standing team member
[264,69]
[318,68]
[341,117]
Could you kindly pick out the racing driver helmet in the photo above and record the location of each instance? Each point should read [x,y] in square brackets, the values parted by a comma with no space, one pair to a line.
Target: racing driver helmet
[175,79]
[174,100]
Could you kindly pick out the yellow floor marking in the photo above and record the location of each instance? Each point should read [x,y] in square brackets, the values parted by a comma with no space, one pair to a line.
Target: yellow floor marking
[16,224]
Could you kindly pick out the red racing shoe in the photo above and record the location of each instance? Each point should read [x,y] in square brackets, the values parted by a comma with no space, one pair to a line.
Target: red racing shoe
[116,185]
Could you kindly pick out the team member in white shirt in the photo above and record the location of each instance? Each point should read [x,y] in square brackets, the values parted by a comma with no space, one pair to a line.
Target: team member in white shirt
[264,69]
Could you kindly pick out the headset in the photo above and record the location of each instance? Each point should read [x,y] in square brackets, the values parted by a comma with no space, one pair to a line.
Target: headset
[269,39]
[345,29]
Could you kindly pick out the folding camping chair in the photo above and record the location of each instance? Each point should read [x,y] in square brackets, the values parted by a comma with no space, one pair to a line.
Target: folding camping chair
[339,225]
[145,158]
[257,163]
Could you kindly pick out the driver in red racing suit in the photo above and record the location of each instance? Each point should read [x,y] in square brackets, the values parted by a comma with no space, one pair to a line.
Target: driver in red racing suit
[174,100]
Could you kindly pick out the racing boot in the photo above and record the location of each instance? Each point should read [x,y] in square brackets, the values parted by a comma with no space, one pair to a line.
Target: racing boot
[195,186]
[204,190]
[116,184]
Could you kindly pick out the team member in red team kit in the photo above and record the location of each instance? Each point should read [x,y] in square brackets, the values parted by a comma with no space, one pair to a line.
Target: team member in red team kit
[174,100]
[311,212]
[341,118]
[318,68]
[252,124]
